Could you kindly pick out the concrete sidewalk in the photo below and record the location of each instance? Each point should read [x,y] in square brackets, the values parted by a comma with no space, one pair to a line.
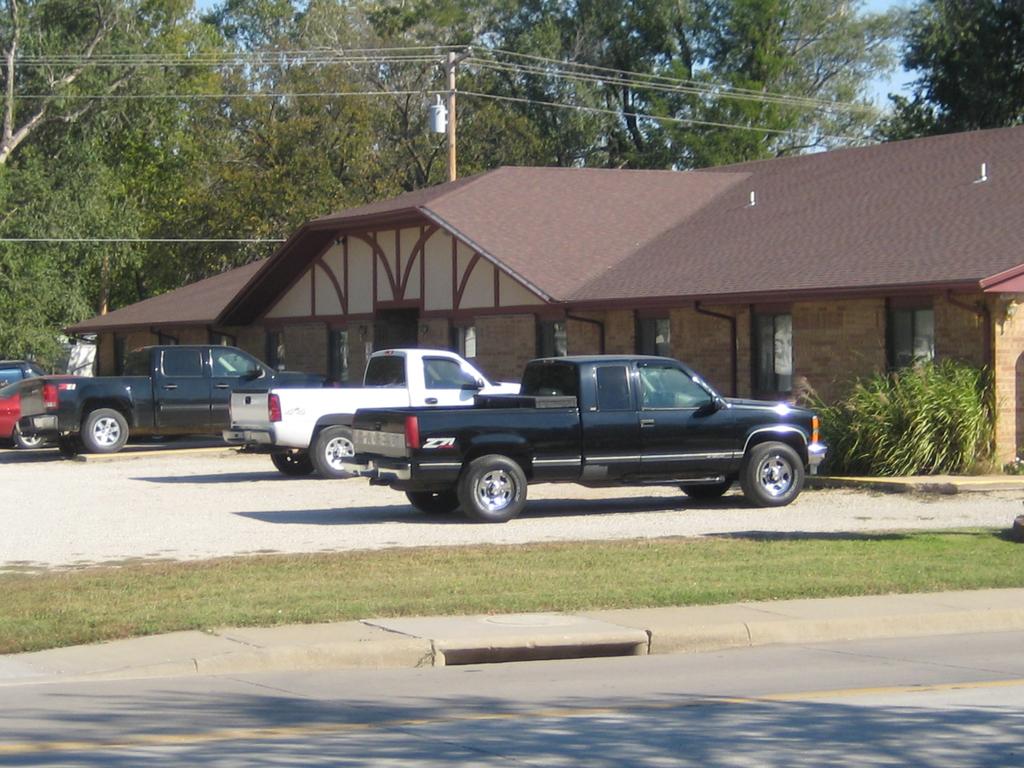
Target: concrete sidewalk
[440,641]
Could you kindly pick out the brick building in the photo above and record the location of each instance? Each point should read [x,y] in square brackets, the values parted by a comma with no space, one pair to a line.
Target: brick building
[768,277]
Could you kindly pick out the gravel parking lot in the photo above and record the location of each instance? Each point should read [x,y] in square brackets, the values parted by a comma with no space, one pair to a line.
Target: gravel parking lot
[184,505]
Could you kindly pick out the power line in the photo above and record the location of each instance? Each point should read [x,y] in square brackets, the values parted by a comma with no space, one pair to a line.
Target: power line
[660,118]
[247,95]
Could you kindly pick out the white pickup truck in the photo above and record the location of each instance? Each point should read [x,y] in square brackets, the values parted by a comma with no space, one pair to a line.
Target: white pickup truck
[306,429]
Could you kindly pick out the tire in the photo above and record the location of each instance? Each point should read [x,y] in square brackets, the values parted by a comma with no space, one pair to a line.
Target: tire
[104,431]
[24,442]
[706,492]
[293,463]
[772,475]
[434,502]
[492,489]
[330,447]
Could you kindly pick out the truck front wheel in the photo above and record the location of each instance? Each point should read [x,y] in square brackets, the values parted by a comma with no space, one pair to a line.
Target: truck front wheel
[331,447]
[434,502]
[293,463]
[492,489]
[772,475]
[104,431]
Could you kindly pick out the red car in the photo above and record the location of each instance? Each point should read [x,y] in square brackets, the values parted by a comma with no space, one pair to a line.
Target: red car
[10,411]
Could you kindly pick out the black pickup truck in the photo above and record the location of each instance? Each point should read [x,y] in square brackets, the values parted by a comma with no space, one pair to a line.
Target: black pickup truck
[597,421]
[165,390]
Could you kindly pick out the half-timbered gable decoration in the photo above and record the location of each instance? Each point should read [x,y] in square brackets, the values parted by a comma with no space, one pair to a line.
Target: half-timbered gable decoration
[424,268]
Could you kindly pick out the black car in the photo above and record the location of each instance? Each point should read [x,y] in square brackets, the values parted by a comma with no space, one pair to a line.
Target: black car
[16,370]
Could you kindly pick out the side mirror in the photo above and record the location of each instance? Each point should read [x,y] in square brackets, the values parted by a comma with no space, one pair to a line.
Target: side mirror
[713,406]
[472,386]
[255,373]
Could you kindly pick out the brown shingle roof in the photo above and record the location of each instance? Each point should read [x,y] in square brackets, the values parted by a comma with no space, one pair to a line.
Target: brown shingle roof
[900,214]
[197,303]
[884,218]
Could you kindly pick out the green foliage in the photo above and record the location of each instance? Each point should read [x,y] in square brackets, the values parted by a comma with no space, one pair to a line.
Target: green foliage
[970,56]
[926,419]
[244,154]
[70,607]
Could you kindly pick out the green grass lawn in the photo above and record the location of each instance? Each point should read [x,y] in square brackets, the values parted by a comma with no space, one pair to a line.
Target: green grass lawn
[50,609]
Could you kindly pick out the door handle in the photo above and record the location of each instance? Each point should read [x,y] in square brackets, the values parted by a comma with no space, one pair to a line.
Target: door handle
[222,386]
[646,422]
[170,386]
[431,401]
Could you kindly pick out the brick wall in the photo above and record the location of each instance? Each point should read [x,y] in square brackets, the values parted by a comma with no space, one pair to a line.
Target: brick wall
[1008,349]
[837,341]
[505,343]
[305,347]
[959,332]
[435,333]
[584,338]
[705,343]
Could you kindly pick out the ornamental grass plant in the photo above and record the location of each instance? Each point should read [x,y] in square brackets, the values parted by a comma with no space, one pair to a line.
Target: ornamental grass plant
[930,418]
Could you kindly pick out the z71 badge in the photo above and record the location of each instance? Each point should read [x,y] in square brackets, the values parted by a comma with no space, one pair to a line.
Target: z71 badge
[439,442]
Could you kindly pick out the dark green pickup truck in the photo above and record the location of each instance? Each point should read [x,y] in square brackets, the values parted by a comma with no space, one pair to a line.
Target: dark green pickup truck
[165,390]
[596,421]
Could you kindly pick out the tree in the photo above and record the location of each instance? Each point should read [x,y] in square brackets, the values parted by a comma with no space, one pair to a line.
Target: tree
[970,56]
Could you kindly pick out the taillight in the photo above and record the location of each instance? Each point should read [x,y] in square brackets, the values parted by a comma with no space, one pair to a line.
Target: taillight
[50,400]
[274,408]
[412,432]
[815,425]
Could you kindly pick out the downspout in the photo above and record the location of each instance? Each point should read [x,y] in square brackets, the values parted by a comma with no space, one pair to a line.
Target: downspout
[981,311]
[598,323]
[735,342]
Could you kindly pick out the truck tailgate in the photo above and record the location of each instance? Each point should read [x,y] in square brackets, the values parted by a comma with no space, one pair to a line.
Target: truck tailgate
[249,410]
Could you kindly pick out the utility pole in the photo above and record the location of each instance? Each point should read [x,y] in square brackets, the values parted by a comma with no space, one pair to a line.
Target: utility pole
[453,61]
[452,160]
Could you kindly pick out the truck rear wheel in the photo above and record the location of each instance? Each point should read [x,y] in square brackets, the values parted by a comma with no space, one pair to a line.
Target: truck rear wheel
[492,489]
[772,475]
[434,502]
[331,447]
[293,463]
[104,431]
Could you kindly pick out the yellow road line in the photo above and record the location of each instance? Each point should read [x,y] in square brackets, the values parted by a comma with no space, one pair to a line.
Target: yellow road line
[136,741]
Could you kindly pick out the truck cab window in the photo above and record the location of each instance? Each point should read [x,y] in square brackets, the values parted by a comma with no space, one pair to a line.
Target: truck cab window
[613,388]
[667,387]
[136,363]
[182,362]
[388,371]
[228,362]
[442,373]
[550,379]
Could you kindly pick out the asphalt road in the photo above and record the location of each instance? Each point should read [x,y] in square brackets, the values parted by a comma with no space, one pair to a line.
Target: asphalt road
[949,701]
[186,505]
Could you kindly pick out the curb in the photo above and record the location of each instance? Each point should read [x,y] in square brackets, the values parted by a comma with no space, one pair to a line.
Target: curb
[940,485]
[448,641]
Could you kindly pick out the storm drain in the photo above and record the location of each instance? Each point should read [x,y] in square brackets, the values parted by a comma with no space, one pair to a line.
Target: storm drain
[453,657]
[461,640]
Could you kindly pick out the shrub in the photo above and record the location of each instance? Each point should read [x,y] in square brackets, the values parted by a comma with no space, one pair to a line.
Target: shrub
[926,419]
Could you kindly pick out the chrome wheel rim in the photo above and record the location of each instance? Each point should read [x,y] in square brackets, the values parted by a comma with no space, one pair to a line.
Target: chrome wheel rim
[337,450]
[775,474]
[495,490]
[106,431]
[29,442]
